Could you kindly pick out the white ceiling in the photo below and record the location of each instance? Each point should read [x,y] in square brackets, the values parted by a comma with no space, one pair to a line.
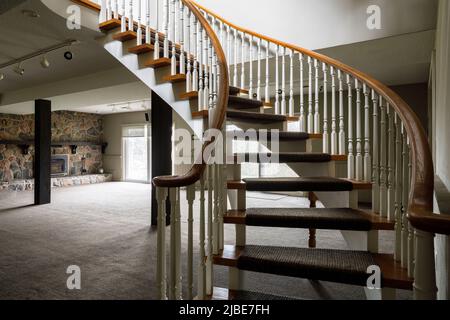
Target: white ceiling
[21,35]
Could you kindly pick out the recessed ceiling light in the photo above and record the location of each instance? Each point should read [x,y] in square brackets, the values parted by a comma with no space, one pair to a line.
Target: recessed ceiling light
[30,13]
[19,70]
[2,76]
[44,62]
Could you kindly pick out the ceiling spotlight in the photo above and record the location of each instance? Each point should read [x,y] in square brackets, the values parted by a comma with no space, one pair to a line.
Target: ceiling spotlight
[30,14]
[68,55]
[45,63]
[2,76]
[19,70]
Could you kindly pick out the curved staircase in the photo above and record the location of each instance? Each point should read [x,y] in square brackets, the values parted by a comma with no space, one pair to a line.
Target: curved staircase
[211,71]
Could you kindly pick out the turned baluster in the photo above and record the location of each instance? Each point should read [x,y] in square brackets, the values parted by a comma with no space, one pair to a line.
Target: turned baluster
[277,80]
[189,51]
[326,145]
[316,99]
[303,127]
[235,75]
[383,172]
[201,72]
[252,51]
[334,143]
[182,40]
[156,45]
[258,89]
[391,166]
[267,94]
[243,61]
[283,81]
[405,195]
[351,154]
[123,20]
[174,38]
[375,163]
[166,28]
[148,30]
[398,189]
[341,115]
[202,243]
[190,197]
[209,262]
[310,98]
[291,83]
[130,16]
[161,277]
[139,23]
[359,156]
[367,156]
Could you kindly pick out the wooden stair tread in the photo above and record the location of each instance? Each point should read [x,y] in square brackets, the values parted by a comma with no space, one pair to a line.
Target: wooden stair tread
[319,184]
[175,78]
[143,48]
[305,218]
[158,63]
[242,295]
[282,135]
[289,157]
[125,36]
[255,117]
[192,95]
[341,266]
[109,25]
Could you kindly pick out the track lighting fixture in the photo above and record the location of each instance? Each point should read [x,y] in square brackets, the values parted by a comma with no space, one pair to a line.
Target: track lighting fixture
[44,62]
[19,70]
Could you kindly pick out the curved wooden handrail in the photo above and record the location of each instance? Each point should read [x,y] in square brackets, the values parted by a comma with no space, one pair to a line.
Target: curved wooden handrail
[420,211]
[197,170]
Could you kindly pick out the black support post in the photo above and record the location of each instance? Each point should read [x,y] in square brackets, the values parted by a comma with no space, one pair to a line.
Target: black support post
[43,138]
[161,121]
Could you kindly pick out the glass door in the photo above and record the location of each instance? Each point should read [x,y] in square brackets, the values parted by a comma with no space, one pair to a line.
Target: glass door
[136,153]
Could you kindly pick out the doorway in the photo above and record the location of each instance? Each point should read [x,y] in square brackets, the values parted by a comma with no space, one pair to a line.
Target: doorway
[136,153]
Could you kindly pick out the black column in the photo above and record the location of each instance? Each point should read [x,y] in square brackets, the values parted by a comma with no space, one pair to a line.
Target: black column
[42,158]
[161,146]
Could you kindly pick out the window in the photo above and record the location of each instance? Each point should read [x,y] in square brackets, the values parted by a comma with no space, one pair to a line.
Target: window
[136,153]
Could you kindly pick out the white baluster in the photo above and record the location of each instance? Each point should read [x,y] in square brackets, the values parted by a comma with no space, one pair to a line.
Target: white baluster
[173,279]
[202,250]
[189,52]
[351,154]
[243,61]
[367,156]
[178,274]
[277,80]
[411,240]
[334,141]
[302,98]
[405,196]
[267,94]
[316,99]
[166,28]
[258,89]
[130,16]
[391,166]
[209,266]
[197,53]
[190,197]
[398,189]
[161,196]
[148,30]
[123,20]
[139,23]
[283,81]
[375,163]
[206,91]
[359,156]
[217,190]
[326,145]
[182,40]
[383,172]
[235,75]
[174,38]
[341,115]
[108,10]
[310,98]
[103,12]
[156,55]
[201,73]
[116,9]
[229,51]
[252,51]
[291,84]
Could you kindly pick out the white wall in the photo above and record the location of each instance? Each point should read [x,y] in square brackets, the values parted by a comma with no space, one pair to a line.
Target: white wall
[112,132]
[320,24]
[441,133]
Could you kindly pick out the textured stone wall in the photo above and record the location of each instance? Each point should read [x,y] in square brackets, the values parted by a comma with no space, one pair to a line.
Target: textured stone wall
[66,126]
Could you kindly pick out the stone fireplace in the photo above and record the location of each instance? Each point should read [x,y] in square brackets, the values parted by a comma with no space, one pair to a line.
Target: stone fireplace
[60,165]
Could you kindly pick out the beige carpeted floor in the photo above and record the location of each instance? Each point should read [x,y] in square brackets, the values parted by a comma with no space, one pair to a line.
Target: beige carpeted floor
[105,230]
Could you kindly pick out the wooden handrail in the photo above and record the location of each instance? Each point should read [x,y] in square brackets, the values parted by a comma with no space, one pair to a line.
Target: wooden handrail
[420,211]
